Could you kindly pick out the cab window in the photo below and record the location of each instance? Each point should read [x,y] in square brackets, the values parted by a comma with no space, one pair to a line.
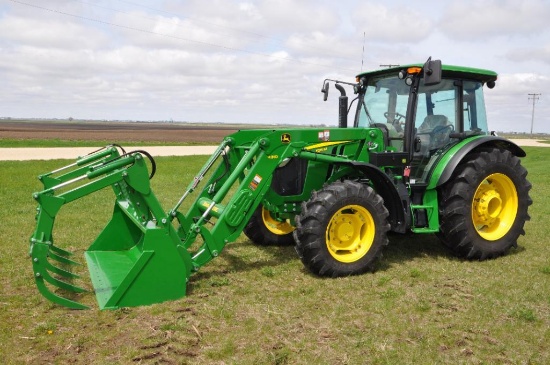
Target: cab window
[475,119]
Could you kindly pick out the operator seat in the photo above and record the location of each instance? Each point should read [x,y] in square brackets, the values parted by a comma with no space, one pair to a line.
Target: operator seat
[432,121]
[434,132]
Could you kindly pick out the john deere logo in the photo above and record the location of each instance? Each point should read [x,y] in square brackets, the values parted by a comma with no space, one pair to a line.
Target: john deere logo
[285,138]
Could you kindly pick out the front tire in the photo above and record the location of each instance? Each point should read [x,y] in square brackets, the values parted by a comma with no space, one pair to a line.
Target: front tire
[341,230]
[265,230]
[484,206]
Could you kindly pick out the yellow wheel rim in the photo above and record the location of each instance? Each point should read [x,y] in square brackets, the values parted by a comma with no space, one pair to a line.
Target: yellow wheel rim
[276,226]
[350,233]
[494,207]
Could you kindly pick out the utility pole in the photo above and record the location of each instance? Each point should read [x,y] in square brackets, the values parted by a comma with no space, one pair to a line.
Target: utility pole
[533,97]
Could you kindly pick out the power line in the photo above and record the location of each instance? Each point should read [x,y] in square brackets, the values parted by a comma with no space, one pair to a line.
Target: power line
[245,32]
[534,97]
[196,20]
[176,37]
[171,14]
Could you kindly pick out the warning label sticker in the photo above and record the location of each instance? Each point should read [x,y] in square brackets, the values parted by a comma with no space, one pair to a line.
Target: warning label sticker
[255,182]
[324,135]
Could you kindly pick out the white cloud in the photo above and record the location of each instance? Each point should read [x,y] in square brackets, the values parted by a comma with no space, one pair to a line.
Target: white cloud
[289,16]
[508,104]
[48,33]
[536,53]
[387,23]
[475,20]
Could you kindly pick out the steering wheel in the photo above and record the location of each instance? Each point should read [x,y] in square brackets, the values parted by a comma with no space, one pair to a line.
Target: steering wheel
[397,121]
[440,129]
[396,118]
[440,134]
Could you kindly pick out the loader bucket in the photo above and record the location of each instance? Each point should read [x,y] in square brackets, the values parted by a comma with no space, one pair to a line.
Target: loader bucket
[134,264]
[135,260]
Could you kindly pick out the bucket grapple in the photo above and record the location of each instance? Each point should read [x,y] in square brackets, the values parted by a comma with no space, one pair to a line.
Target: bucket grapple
[134,255]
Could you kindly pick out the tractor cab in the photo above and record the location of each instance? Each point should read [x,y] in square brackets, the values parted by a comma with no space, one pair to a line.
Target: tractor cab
[423,110]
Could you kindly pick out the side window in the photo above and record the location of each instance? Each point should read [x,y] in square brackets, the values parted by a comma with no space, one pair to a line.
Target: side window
[475,119]
[421,110]
[437,106]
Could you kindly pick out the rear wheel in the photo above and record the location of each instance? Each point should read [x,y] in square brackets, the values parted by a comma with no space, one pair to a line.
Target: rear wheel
[266,230]
[484,206]
[342,229]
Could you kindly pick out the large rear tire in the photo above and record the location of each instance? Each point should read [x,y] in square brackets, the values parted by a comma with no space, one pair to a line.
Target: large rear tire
[265,230]
[342,229]
[484,206]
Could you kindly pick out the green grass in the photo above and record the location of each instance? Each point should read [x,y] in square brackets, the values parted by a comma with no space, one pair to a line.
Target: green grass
[258,305]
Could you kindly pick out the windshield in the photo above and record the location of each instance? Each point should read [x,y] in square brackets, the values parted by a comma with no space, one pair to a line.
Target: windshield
[384,102]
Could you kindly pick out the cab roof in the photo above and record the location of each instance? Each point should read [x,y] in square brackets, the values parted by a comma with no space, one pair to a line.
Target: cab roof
[448,71]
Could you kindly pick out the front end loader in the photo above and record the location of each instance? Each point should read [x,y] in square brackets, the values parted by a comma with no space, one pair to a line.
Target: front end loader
[418,159]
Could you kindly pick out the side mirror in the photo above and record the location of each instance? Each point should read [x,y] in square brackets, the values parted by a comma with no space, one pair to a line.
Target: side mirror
[432,72]
[324,90]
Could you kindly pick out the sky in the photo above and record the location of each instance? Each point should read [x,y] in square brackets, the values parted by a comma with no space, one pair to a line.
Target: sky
[258,61]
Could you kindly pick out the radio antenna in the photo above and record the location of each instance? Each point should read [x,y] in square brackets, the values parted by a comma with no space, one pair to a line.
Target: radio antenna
[363,55]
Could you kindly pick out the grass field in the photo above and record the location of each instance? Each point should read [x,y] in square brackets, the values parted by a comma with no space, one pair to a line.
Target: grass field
[258,305]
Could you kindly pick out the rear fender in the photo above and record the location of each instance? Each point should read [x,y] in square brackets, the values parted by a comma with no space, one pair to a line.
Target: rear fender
[448,164]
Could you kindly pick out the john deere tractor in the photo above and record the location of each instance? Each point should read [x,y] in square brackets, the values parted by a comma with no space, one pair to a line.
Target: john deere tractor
[417,157]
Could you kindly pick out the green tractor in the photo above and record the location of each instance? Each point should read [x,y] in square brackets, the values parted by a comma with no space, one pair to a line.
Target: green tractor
[419,158]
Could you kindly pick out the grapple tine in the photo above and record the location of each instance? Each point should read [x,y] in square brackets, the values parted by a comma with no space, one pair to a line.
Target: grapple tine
[43,289]
[62,259]
[59,271]
[42,268]
[60,251]
[61,284]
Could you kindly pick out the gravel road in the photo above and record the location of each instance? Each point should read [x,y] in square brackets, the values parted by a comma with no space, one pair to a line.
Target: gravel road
[22,154]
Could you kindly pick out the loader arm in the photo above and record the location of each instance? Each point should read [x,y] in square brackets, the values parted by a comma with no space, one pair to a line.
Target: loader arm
[243,180]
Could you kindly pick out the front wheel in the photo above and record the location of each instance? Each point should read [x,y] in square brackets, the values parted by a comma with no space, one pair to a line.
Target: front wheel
[484,206]
[266,230]
[341,230]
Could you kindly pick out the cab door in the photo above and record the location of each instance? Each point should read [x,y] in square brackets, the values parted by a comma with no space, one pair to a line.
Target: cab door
[438,116]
